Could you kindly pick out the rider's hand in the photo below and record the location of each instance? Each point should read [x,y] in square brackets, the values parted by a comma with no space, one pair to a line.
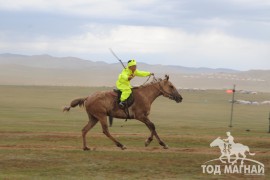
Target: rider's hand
[152,74]
[131,77]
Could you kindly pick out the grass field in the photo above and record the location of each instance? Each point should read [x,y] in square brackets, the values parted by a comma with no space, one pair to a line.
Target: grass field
[39,141]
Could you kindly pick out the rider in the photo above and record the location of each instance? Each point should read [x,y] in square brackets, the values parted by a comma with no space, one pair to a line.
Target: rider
[228,142]
[123,82]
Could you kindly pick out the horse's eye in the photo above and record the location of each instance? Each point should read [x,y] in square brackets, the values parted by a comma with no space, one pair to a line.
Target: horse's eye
[171,86]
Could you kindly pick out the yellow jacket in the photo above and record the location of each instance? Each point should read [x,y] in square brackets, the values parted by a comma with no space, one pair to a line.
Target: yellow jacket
[123,82]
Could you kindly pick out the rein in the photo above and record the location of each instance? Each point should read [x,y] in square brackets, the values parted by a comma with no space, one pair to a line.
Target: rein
[147,80]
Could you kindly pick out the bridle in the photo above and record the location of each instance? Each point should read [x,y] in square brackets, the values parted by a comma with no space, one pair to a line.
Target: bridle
[162,91]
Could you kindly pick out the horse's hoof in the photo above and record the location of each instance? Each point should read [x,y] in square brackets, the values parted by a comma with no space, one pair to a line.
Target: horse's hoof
[166,147]
[146,143]
[123,147]
[86,149]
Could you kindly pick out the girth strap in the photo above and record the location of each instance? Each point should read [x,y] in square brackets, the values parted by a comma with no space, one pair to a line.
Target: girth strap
[126,110]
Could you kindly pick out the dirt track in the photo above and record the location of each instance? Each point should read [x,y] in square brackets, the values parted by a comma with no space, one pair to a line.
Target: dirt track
[129,149]
[156,149]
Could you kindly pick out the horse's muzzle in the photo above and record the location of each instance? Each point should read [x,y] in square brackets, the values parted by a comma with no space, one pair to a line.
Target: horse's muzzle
[178,99]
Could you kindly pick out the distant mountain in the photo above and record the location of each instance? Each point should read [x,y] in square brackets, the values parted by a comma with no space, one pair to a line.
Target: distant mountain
[47,61]
[71,71]
[181,69]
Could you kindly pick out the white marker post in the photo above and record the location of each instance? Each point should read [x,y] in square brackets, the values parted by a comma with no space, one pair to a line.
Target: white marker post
[233,91]
[269,123]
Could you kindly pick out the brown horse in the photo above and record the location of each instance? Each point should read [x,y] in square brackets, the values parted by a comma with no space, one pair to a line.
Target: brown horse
[102,104]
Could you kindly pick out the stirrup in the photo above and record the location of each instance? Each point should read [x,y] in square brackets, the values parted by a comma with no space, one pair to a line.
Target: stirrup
[122,104]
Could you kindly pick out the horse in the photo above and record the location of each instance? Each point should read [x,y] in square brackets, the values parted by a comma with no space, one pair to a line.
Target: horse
[234,149]
[104,103]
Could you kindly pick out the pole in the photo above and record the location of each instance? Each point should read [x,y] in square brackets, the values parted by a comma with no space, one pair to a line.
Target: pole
[232,106]
[269,123]
[117,58]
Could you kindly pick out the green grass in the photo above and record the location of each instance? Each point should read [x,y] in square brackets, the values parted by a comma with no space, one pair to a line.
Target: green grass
[39,141]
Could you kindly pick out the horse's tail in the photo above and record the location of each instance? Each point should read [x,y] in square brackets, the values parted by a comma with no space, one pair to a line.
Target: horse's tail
[252,154]
[74,103]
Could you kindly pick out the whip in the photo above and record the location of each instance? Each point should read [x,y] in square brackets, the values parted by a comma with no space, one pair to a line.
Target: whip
[117,58]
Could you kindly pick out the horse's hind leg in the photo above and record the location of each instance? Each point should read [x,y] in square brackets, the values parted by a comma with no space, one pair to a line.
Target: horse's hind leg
[244,157]
[105,129]
[91,123]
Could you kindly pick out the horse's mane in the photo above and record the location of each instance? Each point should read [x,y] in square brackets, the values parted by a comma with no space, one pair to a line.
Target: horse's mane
[154,81]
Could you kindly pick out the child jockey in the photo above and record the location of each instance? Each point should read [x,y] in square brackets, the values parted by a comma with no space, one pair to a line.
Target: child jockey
[123,82]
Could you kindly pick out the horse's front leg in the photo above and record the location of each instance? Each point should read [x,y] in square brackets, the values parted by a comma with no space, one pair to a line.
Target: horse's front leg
[152,129]
[236,158]
[220,158]
[150,138]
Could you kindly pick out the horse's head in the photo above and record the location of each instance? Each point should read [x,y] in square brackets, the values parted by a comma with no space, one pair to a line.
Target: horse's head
[216,142]
[168,90]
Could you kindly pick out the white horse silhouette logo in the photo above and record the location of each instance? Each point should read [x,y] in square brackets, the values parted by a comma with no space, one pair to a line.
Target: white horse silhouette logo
[228,148]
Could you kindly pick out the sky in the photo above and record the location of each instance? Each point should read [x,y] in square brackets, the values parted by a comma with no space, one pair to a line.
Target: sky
[232,34]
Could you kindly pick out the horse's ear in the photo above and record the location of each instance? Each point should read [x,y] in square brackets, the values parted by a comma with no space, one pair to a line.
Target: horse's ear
[167,77]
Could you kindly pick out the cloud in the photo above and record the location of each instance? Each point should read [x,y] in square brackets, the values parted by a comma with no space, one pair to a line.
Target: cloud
[227,33]
[96,8]
[250,3]
[211,48]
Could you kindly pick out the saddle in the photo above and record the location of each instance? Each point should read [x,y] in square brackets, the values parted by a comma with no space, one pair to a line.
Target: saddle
[128,102]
